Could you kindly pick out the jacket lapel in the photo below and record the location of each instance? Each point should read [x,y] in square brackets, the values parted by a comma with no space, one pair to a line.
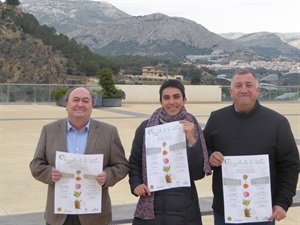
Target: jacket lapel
[62,136]
[92,137]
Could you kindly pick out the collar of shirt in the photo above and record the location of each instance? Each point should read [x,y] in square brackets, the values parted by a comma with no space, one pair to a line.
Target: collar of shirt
[77,141]
[69,126]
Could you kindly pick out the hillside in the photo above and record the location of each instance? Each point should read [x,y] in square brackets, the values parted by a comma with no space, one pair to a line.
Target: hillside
[24,59]
[70,15]
[292,39]
[31,53]
[155,35]
[109,31]
[267,44]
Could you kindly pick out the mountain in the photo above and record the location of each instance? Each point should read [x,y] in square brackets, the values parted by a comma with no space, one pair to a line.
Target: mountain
[30,53]
[27,52]
[112,32]
[292,39]
[231,35]
[70,15]
[109,31]
[156,35]
[268,44]
[24,59]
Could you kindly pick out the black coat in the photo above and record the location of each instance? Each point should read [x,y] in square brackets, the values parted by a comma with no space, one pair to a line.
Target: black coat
[261,131]
[176,206]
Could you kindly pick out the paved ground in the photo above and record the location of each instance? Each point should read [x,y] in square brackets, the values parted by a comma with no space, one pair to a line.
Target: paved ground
[22,199]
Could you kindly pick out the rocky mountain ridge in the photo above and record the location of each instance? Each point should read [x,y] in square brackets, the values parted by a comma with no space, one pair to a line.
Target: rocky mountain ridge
[155,35]
[292,39]
[266,43]
[69,15]
[24,59]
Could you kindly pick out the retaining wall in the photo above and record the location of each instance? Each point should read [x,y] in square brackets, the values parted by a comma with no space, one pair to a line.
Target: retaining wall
[150,93]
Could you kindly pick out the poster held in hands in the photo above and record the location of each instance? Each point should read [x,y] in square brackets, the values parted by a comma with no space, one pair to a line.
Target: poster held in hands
[78,192]
[166,157]
[246,188]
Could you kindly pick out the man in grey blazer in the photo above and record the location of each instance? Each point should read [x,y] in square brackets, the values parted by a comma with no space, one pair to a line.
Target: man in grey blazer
[79,134]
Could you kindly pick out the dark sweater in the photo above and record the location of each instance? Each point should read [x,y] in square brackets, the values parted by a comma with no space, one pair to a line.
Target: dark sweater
[261,131]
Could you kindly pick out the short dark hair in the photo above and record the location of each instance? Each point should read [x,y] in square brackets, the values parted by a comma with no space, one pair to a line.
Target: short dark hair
[93,96]
[171,83]
[244,71]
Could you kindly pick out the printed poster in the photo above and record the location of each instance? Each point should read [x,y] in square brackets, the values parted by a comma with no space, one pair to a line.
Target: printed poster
[246,188]
[78,192]
[166,157]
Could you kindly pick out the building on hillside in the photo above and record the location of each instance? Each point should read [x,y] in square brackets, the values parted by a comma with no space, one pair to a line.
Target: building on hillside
[152,71]
[151,76]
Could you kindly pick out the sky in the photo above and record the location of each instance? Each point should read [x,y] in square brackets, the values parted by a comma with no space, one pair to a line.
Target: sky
[223,16]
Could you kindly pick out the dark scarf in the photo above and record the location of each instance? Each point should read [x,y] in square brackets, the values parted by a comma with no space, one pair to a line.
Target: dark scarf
[145,205]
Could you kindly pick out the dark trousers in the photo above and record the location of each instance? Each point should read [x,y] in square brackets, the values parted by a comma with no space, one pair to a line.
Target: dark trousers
[219,220]
[71,220]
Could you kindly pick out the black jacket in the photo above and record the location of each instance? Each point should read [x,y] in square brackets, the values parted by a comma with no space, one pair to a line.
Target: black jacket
[176,206]
[261,131]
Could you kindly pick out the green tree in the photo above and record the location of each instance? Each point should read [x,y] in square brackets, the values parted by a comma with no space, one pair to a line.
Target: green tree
[12,2]
[107,82]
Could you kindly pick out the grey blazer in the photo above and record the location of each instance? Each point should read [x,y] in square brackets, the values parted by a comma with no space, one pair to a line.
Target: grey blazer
[102,139]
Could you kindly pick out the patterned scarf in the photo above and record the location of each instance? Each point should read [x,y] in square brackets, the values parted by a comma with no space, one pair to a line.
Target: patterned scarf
[145,205]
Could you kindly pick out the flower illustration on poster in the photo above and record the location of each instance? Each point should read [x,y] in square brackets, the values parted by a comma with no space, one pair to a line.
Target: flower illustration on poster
[166,166]
[246,195]
[77,191]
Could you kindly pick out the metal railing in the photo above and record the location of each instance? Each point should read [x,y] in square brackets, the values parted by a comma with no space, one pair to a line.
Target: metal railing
[35,93]
[32,93]
[271,93]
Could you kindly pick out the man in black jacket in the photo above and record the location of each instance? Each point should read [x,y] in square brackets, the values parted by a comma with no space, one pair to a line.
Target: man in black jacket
[248,128]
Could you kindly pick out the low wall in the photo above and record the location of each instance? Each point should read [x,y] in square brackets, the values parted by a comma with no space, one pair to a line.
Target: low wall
[150,93]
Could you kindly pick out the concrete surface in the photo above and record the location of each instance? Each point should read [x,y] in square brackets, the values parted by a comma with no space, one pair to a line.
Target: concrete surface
[22,198]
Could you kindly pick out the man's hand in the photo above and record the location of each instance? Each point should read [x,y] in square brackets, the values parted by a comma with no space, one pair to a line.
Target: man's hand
[216,159]
[278,213]
[101,178]
[56,175]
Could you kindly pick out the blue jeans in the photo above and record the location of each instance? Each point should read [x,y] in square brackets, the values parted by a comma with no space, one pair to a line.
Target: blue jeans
[219,220]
